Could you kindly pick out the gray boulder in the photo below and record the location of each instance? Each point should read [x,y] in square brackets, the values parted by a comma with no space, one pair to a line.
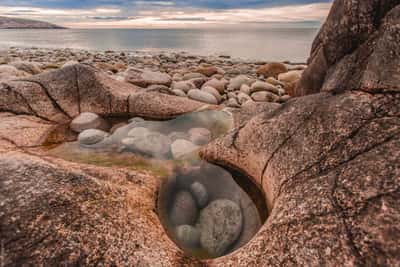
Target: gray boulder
[200,193]
[200,136]
[184,209]
[88,120]
[182,147]
[188,235]
[152,144]
[220,225]
[91,137]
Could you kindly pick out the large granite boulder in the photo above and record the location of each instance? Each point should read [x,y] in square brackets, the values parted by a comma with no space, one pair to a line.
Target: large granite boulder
[358,47]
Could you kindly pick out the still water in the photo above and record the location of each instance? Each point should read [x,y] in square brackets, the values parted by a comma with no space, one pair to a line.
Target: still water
[206,210]
[280,44]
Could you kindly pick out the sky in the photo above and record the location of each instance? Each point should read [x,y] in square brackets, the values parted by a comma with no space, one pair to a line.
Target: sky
[169,13]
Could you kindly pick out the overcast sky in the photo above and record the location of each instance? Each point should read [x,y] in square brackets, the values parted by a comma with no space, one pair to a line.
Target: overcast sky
[168,14]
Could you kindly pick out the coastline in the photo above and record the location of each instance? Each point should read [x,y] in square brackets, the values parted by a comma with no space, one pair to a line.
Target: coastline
[233,81]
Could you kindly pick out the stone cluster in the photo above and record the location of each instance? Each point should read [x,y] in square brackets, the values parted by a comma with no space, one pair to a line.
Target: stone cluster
[135,137]
[213,225]
[212,80]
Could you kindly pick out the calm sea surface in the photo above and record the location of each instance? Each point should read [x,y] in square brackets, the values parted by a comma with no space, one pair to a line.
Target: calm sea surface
[257,44]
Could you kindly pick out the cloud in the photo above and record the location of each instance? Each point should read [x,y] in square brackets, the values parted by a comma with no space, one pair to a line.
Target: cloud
[160,14]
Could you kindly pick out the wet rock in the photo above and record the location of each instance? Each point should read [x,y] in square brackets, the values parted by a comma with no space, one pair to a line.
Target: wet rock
[200,136]
[272,69]
[202,96]
[145,78]
[135,120]
[88,120]
[263,86]
[152,144]
[264,97]
[182,147]
[184,209]
[220,225]
[178,135]
[200,193]
[138,132]
[188,235]
[91,137]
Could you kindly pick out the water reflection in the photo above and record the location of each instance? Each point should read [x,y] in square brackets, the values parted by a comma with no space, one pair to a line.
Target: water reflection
[201,206]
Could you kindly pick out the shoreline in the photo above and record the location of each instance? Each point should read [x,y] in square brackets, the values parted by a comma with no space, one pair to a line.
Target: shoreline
[213,79]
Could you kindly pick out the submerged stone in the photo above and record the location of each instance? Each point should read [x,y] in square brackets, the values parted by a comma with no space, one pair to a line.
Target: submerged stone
[91,137]
[200,193]
[188,235]
[220,225]
[184,209]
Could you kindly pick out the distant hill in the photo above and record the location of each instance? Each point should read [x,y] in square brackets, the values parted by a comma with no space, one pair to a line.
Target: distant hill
[17,23]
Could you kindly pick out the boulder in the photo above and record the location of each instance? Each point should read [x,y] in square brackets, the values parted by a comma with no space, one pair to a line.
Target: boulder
[263,86]
[238,81]
[357,52]
[200,136]
[264,96]
[272,69]
[219,85]
[200,193]
[26,66]
[187,235]
[202,96]
[220,225]
[145,78]
[88,120]
[178,92]
[291,76]
[193,75]
[212,91]
[182,147]
[184,86]
[152,144]
[207,71]
[178,135]
[91,137]
[183,209]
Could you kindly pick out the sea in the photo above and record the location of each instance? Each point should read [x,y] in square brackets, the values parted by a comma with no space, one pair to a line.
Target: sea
[269,44]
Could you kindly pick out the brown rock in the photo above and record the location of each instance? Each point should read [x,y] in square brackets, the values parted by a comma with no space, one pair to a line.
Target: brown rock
[207,71]
[272,69]
[349,57]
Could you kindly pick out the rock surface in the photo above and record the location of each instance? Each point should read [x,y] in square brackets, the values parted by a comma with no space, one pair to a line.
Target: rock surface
[349,57]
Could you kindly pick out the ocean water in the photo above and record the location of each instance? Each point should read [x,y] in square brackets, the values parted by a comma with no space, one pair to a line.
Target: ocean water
[284,43]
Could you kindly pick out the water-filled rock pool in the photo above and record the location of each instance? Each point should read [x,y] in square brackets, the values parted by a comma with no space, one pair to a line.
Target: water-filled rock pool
[206,210]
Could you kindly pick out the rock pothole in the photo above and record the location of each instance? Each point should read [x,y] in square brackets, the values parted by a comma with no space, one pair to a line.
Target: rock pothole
[208,211]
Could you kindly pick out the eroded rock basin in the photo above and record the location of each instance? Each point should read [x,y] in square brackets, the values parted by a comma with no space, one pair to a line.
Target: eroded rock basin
[204,208]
